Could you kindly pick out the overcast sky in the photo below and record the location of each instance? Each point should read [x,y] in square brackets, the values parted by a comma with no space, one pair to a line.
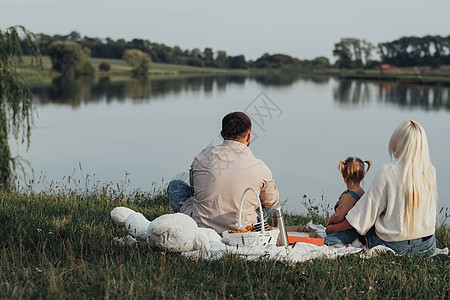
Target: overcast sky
[304,29]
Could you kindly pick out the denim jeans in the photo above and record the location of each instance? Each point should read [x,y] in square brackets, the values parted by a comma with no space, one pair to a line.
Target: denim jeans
[422,246]
[343,237]
[179,191]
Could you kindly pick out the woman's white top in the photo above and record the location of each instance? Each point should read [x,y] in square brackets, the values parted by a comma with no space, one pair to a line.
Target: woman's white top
[384,206]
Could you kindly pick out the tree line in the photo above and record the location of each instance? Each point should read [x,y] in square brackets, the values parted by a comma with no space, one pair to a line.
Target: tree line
[430,50]
[109,48]
[350,53]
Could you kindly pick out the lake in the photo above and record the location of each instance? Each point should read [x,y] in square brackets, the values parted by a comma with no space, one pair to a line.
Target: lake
[135,132]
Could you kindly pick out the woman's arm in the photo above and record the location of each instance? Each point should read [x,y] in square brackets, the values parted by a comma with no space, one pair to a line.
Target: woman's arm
[341,226]
[373,203]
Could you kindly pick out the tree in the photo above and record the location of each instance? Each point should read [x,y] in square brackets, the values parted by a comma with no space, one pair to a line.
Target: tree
[416,51]
[15,96]
[74,36]
[221,59]
[343,54]
[104,67]
[70,59]
[160,53]
[352,53]
[320,62]
[138,60]
[208,57]
[276,61]
[236,62]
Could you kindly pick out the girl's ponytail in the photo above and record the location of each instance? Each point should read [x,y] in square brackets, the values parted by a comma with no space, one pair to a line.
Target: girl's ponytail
[369,164]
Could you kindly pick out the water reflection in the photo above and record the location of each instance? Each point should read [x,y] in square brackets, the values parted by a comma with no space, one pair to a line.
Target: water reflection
[425,97]
[282,79]
[413,96]
[75,91]
[352,92]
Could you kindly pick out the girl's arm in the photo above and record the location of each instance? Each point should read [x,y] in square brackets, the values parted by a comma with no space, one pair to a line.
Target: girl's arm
[341,226]
[345,204]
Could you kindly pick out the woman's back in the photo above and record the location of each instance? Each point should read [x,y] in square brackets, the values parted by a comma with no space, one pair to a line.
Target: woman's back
[383,205]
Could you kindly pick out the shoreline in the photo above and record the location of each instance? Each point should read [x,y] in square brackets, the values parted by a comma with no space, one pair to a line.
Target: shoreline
[439,77]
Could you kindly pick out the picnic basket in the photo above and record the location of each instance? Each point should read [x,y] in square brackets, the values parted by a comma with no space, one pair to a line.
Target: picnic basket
[262,237]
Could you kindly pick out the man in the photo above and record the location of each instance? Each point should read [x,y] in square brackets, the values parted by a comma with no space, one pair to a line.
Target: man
[218,177]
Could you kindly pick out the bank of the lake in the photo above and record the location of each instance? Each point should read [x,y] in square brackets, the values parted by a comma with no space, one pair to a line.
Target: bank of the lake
[120,68]
[423,76]
[60,244]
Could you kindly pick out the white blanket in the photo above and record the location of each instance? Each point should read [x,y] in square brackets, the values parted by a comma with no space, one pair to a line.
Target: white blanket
[298,252]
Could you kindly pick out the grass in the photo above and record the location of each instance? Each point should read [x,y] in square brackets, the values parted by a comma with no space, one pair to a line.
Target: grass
[405,75]
[59,244]
[119,68]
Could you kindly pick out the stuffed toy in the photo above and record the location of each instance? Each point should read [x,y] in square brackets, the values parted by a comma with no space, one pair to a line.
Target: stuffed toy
[174,232]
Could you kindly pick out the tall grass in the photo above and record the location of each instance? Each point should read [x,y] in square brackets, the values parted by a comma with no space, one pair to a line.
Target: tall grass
[60,244]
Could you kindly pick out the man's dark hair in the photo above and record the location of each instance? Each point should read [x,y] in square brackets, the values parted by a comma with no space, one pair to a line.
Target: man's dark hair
[235,125]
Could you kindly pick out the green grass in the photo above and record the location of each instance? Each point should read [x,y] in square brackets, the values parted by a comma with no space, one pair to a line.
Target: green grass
[59,244]
[432,77]
[119,68]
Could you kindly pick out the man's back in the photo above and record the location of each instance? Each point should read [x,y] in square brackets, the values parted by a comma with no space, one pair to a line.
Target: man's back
[219,176]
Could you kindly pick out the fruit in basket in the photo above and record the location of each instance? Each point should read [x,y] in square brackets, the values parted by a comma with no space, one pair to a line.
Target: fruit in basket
[248,228]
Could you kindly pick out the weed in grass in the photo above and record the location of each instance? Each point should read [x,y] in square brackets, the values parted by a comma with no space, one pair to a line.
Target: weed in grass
[317,213]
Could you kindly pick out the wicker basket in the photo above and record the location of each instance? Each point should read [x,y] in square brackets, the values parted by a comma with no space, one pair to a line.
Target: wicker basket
[262,237]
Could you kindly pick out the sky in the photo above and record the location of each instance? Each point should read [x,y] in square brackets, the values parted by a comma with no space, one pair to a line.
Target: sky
[303,29]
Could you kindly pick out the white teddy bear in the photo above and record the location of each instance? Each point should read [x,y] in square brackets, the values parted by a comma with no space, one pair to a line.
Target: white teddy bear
[175,232]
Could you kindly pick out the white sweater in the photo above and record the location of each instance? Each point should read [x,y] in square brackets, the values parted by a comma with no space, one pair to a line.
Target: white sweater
[384,206]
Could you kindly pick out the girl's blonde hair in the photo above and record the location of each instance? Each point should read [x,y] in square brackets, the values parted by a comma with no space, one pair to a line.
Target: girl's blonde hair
[409,145]
[353,169]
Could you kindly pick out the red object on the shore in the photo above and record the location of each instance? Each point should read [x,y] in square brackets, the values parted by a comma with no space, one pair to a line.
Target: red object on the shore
[385,68]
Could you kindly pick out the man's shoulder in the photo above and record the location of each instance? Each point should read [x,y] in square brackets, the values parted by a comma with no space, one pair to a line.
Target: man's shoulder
[205,152]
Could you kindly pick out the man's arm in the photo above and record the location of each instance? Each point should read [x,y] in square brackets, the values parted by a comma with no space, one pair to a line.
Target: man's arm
[269,194]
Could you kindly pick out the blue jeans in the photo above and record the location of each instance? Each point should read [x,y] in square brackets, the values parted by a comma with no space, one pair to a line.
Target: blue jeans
[343,237]
[422,246]
[179,191]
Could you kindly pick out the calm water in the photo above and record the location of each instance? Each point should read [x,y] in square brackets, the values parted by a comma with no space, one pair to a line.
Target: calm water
[148,131]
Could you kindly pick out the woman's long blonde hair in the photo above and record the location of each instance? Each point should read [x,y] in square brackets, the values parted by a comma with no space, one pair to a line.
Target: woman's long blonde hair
[409,145]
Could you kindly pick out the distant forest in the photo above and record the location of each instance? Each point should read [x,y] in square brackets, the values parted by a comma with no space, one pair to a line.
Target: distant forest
[350,53]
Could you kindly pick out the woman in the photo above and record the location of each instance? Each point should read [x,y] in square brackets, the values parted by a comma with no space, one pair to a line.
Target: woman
[399,209]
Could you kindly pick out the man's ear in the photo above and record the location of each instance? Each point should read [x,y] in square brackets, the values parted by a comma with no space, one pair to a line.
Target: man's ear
[221,133]
[248,137]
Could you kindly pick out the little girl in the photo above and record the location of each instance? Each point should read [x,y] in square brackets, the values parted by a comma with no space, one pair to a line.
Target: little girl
[353,172]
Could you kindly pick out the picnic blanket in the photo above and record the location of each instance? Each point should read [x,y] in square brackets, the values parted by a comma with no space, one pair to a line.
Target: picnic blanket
[298,252]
